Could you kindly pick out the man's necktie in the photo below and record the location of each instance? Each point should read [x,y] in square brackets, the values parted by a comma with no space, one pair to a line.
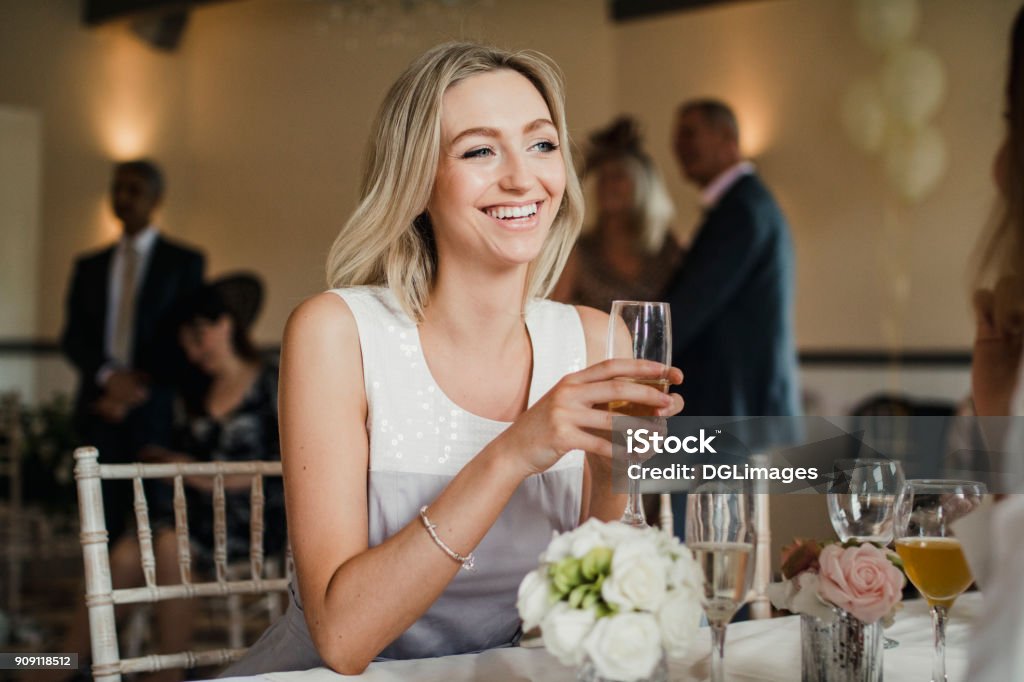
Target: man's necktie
[126,309]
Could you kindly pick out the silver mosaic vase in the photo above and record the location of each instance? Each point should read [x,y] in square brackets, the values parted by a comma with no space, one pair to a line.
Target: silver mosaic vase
[587,672]
[845,650]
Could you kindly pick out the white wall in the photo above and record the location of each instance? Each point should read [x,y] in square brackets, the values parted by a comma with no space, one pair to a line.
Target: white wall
[21,141]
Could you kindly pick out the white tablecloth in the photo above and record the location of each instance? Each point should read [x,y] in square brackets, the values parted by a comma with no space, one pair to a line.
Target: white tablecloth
[762,651]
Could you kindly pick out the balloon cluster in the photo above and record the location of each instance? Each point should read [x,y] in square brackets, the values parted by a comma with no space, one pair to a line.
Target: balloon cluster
[889,113]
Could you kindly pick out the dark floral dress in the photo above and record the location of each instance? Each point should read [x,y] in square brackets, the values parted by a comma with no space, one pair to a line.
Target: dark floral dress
[249,432]
[598,284]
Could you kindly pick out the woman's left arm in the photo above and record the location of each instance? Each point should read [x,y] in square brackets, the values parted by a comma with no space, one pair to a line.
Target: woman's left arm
[599,501]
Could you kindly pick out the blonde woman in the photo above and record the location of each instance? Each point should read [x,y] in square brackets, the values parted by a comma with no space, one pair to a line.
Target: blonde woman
[629,253]
[433,407]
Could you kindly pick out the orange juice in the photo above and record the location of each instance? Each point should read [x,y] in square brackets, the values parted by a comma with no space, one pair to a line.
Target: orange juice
[936,566]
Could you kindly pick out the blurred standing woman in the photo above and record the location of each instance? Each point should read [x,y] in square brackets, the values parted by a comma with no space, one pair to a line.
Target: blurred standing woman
[629,252]
[435,409]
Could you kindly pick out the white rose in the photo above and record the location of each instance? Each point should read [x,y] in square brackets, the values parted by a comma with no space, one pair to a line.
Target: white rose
[679,618]
[669,544]
[558,548]
[563,631]
[637,579]
[615,533]
[800,595]
[625,647]
[806,599]
[587,537]
[532,600]
[685,573]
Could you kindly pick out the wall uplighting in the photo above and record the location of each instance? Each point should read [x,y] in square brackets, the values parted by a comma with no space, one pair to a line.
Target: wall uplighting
[129,98]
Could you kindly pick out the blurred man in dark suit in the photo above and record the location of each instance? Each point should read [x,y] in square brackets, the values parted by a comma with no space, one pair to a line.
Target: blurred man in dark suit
[732,297]
[119,335]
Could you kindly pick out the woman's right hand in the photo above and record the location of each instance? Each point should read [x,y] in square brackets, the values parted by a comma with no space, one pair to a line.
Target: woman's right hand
[571,415]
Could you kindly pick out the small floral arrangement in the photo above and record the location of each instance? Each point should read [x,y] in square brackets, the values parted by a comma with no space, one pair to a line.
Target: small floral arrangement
[616,595]
[861,579]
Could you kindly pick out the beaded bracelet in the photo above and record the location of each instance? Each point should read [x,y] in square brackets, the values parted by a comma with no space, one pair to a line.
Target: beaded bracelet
[466,561]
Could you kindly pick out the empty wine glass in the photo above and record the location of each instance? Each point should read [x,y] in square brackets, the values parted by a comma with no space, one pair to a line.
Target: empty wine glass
[720,533]
[932,556]
[641,330]
[862,499]
[862,502]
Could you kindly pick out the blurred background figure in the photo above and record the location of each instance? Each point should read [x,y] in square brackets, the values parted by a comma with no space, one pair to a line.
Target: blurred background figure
[118,333]
[732,297]
[226,412]
[993,537]
[628,251]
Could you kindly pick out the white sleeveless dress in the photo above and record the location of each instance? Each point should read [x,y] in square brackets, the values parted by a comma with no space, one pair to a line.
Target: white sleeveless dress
[419,440]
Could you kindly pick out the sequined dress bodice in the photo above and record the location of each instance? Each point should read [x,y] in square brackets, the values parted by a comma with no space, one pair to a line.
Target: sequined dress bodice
[419,440]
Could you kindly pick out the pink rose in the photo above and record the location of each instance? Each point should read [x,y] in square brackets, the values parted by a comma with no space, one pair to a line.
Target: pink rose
[860,580]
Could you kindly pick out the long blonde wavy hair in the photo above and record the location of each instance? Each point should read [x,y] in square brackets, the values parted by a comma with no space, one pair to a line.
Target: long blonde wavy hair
[389,239]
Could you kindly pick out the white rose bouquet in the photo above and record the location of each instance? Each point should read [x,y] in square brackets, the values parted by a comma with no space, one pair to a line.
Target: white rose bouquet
[616,595]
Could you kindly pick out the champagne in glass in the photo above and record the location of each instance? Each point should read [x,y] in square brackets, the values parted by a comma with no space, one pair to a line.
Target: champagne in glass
[726,567]
[640,330]
[932,556]
[720,533]
[631,409]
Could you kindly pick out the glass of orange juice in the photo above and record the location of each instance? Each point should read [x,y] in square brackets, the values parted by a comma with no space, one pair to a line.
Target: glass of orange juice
[932,556]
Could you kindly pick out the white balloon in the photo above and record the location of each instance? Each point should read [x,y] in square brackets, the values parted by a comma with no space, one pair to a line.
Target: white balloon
[883,24]
[862,113]
[913,84]
[915,162]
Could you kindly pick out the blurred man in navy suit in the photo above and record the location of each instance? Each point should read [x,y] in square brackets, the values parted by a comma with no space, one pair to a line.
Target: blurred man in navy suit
[119,335]
[732,297]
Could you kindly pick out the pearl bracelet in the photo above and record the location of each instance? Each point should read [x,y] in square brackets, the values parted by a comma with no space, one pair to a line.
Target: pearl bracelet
[466,561]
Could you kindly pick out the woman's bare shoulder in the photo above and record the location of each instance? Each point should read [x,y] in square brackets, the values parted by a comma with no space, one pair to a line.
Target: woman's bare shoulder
[323,318]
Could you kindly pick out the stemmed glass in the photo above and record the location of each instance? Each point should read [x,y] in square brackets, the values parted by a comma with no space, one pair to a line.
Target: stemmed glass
[932,557]
[720,533]
[641,330]
[862,502]
[862,499]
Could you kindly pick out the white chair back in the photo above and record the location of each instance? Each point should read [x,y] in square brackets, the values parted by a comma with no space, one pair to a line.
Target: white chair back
[100,597]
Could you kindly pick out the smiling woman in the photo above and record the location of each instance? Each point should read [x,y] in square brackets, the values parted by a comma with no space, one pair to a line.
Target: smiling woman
[436,413]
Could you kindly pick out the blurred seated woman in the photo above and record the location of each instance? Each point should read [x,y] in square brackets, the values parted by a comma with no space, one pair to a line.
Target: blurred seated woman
[438,416]
[629,252]
[228,413]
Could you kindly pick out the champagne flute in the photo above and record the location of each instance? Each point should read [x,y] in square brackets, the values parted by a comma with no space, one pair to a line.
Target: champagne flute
[720,533]
[862,499]
[932,557]
[641,330]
